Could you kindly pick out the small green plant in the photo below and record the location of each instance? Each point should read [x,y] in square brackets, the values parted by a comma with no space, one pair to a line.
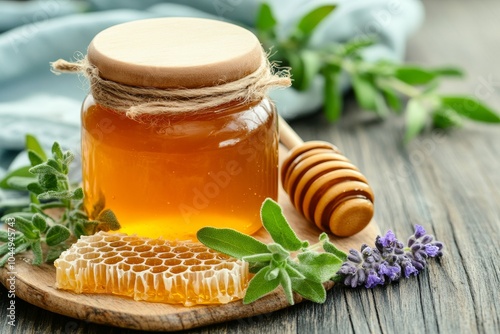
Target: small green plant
[273,264]
[32,228]
[379,86]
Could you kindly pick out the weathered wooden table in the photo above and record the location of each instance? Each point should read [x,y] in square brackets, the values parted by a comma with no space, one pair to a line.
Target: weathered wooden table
[449,183]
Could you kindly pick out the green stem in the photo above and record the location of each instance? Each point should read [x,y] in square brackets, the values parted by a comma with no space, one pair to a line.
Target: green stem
[400,86]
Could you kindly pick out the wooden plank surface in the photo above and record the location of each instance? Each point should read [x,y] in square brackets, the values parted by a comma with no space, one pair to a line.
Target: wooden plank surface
[448,183]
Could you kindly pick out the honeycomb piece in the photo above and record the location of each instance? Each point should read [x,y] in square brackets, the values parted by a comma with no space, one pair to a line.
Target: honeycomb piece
[154,270]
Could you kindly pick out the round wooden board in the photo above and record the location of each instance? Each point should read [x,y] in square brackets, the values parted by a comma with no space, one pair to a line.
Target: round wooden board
[35,284]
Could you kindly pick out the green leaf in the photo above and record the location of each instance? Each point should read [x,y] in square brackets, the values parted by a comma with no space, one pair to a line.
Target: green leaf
[356,44]
[265,21]
[26,215]
[108,218]
[272,274]
[416,116]
[46,169]
[21,246]
[4,236]
[280,254]
[230,242]
[470,108]
[330,248]
[20,182]
[39,222]
[27,228]
[414,75]
[309,289]
[448,71]
[366,93]
[55,164]
[57,151]
[392,98]
[277,226]
[332,94]
[79,230]
[311,65]
[292,272]
[319,267]
[36,248]
[47,181]
[33,198]
[34,158]
[381,107]
[52,194]
[78,195]
[445,118]
[297,69]
[68,157]
[286,283]
[57,234]
[20,172]
[35,188]
[33,144]
[310,21]
[266,257]
[259,286]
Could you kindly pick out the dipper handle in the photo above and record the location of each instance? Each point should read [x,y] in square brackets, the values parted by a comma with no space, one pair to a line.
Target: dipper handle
[324,186]
[288,137]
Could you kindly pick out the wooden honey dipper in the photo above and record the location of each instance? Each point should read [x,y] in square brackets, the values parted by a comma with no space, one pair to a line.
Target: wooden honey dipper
[324,186]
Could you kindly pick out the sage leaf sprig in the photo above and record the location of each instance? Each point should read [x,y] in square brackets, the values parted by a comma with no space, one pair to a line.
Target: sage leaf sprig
[379,86]
[288,261]
[31,227]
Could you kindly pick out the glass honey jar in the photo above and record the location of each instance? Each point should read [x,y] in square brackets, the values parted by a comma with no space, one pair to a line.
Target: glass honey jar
[166,170]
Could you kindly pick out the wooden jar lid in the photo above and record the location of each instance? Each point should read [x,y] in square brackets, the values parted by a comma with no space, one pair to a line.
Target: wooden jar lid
[175,53]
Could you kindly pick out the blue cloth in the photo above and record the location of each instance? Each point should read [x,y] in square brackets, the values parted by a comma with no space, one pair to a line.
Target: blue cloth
[34,100]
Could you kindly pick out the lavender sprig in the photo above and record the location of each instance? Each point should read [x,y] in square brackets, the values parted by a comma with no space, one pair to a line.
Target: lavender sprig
[389,260]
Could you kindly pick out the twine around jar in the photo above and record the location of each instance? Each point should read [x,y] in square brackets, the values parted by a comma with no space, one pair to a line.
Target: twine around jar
[135,101]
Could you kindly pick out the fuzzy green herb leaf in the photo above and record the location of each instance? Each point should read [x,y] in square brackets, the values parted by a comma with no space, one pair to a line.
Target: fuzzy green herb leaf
[230,242]
[27,228]
[39,222]
[277,226]
[309,289]
[259,286]
[57,234]
[319,266]
[36,248]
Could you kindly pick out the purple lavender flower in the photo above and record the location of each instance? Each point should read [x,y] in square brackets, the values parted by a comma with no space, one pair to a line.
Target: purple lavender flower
[373,280]
[419,231]
[388,239]
[389,260]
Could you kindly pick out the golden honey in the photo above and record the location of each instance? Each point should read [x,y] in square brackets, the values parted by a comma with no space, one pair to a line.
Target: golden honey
[171,175]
